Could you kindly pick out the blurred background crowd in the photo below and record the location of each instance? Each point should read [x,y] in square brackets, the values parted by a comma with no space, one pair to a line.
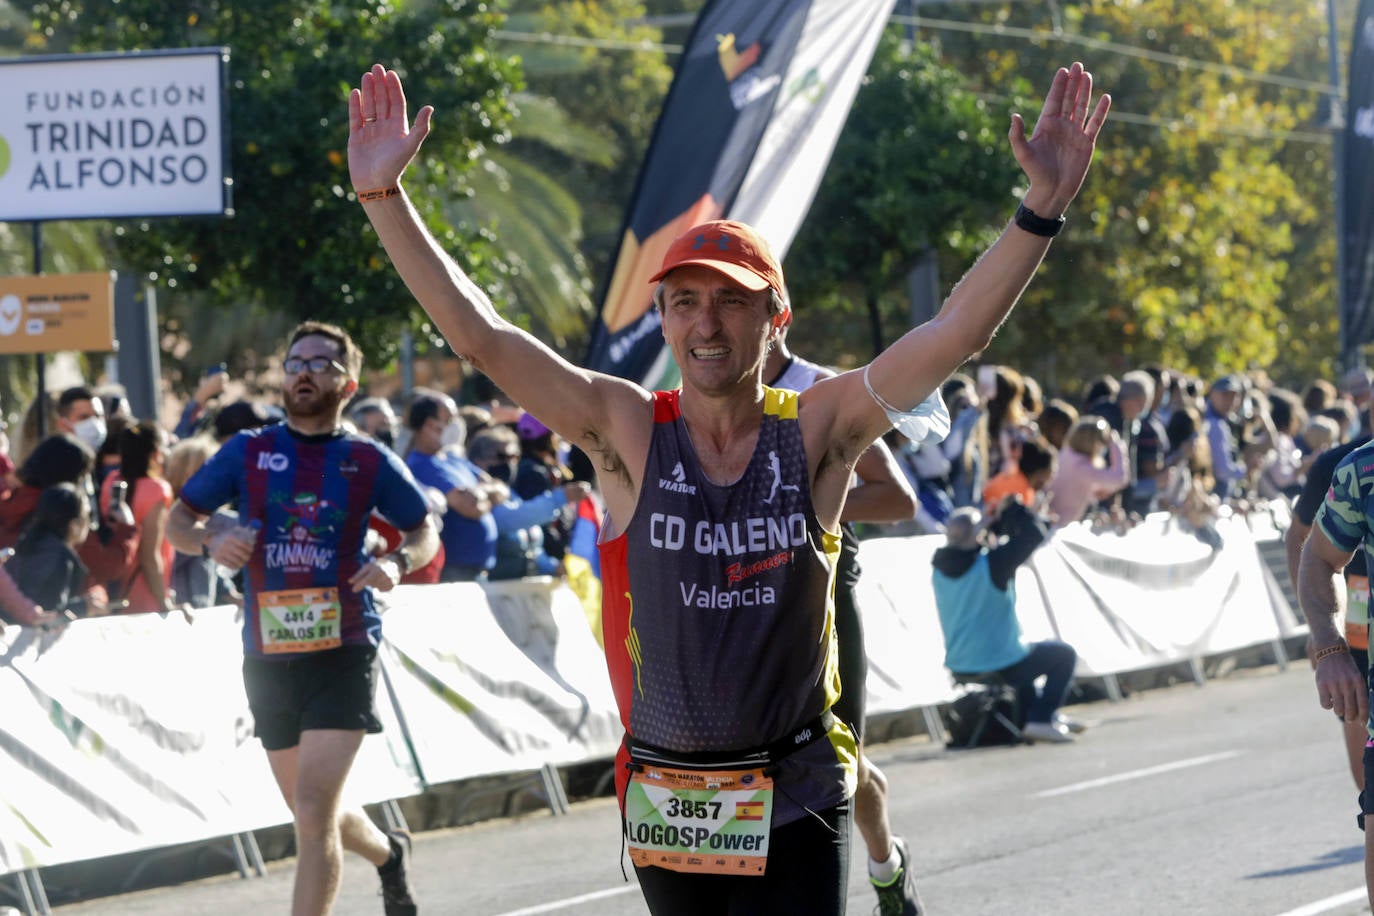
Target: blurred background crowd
[83,506]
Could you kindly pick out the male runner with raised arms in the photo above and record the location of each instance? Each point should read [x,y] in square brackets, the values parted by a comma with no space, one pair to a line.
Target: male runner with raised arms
[718,625]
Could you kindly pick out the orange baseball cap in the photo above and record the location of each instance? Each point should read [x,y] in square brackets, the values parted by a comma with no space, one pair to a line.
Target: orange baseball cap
[730,248]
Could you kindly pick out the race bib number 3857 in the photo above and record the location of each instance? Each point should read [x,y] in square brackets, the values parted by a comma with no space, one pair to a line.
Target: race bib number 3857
[713,821]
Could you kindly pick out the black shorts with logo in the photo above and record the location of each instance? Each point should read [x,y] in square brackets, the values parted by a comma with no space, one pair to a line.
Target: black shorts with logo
[333,689]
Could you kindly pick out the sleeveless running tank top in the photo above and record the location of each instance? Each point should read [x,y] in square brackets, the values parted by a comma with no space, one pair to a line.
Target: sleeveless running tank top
[717,610]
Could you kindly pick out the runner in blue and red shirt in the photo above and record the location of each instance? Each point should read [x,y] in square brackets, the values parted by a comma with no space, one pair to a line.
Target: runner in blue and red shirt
[304,490]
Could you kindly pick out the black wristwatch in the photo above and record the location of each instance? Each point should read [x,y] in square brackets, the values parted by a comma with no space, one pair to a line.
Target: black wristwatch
[1036,224]
[402,560]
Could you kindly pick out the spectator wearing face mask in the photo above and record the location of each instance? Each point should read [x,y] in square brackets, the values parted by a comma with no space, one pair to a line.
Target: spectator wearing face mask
[520,544]
[81,413]
[374,417]
[76,411]
[436,459]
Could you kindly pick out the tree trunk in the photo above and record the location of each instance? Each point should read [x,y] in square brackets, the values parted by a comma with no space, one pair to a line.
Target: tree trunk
[875,321]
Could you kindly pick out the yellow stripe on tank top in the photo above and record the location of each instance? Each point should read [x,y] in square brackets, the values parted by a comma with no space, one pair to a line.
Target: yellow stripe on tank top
[840,737]
[780,403]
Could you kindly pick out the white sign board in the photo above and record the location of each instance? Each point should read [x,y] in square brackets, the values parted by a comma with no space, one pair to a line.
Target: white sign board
[114,136]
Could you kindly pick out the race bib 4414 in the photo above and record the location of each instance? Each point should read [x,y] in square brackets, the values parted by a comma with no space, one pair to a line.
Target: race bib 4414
[299,620]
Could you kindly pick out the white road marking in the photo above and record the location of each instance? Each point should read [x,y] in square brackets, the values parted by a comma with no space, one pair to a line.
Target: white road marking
[1137,774]
[572,901]
[1329,904]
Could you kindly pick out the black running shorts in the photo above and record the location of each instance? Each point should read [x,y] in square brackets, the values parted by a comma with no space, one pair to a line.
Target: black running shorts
[332,689]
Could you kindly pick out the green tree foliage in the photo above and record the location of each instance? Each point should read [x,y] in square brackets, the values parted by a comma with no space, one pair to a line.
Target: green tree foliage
[1209,186]
[922,164]
[594,87]
[1203,238]
[298,244]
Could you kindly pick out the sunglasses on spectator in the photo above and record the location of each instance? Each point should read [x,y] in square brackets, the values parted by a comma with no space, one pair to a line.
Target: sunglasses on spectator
[317,365]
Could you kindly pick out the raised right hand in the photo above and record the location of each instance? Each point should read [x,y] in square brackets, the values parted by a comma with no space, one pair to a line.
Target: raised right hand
[381,140]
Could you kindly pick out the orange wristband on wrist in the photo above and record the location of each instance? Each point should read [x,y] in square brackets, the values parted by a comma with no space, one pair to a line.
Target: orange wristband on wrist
[365,197]
[1337,648]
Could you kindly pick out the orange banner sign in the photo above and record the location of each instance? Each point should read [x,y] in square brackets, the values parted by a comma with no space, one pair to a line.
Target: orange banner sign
[61,312]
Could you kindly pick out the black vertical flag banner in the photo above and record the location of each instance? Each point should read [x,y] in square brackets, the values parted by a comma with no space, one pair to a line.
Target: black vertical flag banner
[767,72]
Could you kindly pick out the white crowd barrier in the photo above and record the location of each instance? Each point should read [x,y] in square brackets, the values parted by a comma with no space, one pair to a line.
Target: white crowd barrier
[128,733]
[1151,596]
[497,679]
[132,733]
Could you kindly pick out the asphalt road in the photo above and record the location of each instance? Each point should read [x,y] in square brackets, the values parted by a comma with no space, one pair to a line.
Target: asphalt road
[1228,798]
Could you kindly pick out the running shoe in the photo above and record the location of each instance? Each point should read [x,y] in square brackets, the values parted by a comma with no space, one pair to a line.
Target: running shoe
[1074,725]
[1051,732]
[898,897]
[396,900]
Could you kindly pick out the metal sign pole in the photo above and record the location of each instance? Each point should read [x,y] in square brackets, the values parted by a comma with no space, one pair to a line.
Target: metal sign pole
[1350,356]
[40,360]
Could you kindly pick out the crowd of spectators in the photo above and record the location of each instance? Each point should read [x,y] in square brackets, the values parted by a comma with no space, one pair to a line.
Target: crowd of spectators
[503,487]
[1150,440]
[85,489]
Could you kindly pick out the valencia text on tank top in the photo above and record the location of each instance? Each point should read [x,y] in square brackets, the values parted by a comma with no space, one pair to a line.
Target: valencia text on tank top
[717,610]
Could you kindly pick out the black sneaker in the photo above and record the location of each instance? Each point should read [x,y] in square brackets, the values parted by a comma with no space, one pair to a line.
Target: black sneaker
[898,896]
[396,899]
